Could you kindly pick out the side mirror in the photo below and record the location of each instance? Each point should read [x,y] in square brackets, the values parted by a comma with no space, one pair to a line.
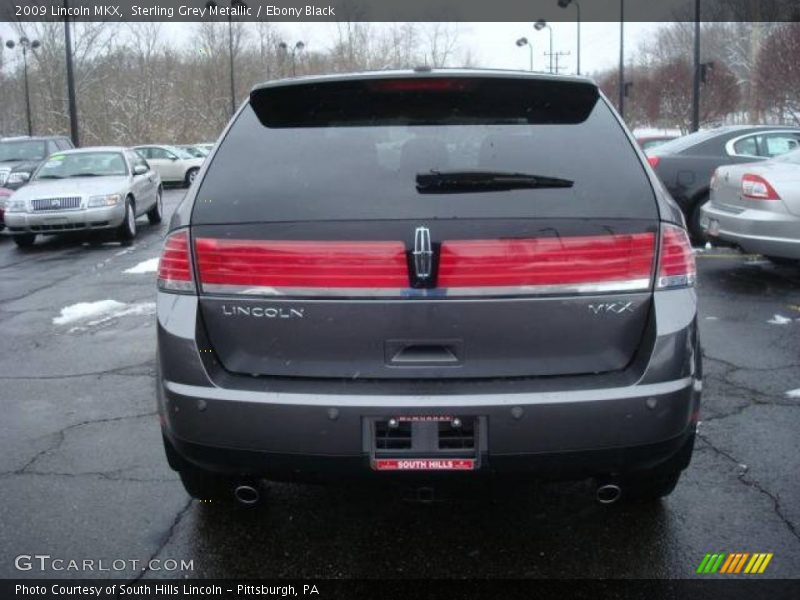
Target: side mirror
[139,170]
[173,157]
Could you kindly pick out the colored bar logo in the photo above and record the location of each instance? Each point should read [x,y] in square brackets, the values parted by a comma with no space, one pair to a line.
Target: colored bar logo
[734,563]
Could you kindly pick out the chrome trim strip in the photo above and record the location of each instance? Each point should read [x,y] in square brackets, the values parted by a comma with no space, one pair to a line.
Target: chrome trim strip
[428,401]
[632,285]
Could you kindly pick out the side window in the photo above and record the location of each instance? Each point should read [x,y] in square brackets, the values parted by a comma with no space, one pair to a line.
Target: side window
[159,153]
[64,144]
[137,160]
[775,144]
[144,152]
[746,146]
[51,147]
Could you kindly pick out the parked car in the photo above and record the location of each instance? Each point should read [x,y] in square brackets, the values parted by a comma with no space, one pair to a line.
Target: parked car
[20,156]
[383,301]
[685,164]
[651,141]
[173,164]
[5,193]
[101,188]
[195,150]
[756,206]
[206,146]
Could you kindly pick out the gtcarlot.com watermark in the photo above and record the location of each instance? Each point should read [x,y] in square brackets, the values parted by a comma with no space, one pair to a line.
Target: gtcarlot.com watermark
[45,563]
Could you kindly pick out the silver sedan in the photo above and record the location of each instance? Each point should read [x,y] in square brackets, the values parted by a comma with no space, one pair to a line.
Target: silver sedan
[101,188]
[756,206]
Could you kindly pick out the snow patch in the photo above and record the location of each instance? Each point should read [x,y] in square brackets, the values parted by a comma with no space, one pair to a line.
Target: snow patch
[779,320]
[793,393]
[146,266]
[86,310]
[101,311]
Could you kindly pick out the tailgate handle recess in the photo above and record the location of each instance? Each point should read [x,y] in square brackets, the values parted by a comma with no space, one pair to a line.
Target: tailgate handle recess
[432,354]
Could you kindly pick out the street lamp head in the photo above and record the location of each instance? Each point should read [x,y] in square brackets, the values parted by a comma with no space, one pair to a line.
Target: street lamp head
[10,44]
[564,3]
[23,41]
[522,42]
[35,44]
[299,46]
[283,46]
[540,24]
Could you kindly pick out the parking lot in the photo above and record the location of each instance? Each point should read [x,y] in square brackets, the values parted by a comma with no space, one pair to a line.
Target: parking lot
[84,476]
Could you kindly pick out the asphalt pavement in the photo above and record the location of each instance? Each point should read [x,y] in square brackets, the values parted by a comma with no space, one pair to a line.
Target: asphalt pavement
[83,476]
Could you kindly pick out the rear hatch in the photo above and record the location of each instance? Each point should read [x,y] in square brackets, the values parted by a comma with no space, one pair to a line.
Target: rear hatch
[447,227]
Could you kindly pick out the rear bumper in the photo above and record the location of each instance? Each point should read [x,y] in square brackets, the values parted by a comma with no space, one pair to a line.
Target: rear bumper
[755,231]
[72,220]
[549,427]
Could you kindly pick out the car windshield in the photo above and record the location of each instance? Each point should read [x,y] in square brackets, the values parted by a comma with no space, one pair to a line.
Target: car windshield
[22,150]
[82,164]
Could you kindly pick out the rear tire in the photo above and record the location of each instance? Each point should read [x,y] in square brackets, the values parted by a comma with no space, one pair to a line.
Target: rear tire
[783,262]
[127,229]
[696,232]
[190,176]
[25,240]
[155,214]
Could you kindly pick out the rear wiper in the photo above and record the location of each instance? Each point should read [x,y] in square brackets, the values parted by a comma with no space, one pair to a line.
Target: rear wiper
[443,182]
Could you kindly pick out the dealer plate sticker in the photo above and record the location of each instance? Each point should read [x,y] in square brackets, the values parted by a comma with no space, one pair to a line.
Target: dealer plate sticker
[424,464]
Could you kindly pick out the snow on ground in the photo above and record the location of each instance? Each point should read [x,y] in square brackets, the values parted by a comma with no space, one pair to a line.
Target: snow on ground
[779,320]
[146,266]
[101,311]
[793,393]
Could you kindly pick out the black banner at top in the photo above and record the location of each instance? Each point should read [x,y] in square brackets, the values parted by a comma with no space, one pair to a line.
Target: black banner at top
[399,10]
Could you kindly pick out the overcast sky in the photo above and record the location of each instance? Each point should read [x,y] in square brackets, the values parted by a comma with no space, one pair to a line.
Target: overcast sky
[491,44]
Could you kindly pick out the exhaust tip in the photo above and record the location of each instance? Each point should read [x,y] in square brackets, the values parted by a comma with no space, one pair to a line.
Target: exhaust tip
[246,495]
[608,493]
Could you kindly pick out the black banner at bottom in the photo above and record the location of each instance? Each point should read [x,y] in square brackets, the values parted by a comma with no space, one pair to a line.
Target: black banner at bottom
[326,589]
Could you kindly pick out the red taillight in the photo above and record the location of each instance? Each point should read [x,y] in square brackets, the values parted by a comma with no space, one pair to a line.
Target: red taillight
[175,264]
[758,188]
[654,160]
[676,265]
[587,263]
[226,264]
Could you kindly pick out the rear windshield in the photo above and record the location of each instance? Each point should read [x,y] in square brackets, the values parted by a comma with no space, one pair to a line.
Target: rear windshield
[355,164]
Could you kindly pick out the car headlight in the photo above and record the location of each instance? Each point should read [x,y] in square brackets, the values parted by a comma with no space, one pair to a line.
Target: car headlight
[110,200]
[19,177]
[15,206]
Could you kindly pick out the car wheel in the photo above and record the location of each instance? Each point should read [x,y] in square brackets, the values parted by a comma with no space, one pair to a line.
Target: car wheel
[782,262]
[695,231]
[154,214]
[25,240]
[191,174]
[127,230]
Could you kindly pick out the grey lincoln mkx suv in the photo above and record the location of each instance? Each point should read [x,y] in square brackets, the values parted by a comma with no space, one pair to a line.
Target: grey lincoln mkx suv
[428,276]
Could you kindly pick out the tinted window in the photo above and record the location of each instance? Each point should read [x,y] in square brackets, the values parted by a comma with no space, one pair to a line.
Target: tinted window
[369,172]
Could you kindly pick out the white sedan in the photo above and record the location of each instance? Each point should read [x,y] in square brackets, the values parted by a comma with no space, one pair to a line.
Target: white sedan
[173,164]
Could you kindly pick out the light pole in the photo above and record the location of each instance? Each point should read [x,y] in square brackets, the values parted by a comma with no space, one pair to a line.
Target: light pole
[298,47]
[622,58]
[538,26]
[524,42]
[698,68]
[234,4]
[565,4]
[73,106]
[25,43]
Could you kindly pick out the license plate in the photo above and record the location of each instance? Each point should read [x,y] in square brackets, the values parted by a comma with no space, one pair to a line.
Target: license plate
[713,227]
[424,464]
